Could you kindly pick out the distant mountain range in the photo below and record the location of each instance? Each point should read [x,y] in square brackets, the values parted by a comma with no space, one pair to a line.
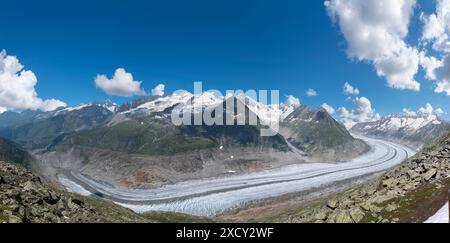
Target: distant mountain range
[137,145]
[36,130]
[415,130]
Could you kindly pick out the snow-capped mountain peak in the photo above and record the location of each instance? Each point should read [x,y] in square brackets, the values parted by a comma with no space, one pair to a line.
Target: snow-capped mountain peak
[268,113]
[413,129]
[199,102]
[404,121]
[109,105]
[112,107]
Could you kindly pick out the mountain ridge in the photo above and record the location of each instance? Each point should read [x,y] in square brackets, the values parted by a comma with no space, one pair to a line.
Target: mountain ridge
[414,130]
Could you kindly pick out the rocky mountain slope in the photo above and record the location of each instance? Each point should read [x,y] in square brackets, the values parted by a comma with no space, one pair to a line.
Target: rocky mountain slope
[38,130]
[411,192]
[12,118]
[25,198]
[414,130]
[10,151]
[317,134]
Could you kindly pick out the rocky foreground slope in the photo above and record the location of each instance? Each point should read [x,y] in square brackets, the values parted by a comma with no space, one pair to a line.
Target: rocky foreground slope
[411,192]
[25,198]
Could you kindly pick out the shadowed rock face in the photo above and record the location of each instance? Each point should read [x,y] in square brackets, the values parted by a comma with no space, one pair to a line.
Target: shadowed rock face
[10,151]
[317,134]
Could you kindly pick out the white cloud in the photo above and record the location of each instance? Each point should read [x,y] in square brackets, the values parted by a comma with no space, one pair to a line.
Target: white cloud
[328,108]
[375,31]
[292,101]
[430,65]
[425,110]
[2,109]
[122,84]
[349,89]
[362,112]
[17,87]
[443,73]
[311,93]
[158,90]
[408,112]
[436,32]
[437,27]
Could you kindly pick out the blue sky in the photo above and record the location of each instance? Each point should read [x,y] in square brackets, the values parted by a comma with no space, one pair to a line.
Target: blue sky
[288,45]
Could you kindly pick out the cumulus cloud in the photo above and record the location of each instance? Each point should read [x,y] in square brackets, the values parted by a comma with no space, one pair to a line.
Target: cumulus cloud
[362,112]
[443,73]
[408,112]
[349,89]
[121,84]
[311,93]
[437,27]
[158,90]
[436,32]
[328,108]
[430,65]
[17,87]
[428,109]
[292,101]
[439,111]
[375,31]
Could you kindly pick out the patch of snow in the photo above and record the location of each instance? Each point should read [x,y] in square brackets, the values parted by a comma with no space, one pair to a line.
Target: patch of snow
[110,106]
[436,122]
[205,100]
[367,127]
[268,114]
[162,103]
[72,108]
[441,216]
[107,105]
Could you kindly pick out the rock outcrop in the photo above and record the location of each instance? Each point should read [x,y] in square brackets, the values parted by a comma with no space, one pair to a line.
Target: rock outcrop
[25,198]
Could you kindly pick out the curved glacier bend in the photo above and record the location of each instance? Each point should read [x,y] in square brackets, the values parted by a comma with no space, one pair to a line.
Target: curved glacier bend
[209,197]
